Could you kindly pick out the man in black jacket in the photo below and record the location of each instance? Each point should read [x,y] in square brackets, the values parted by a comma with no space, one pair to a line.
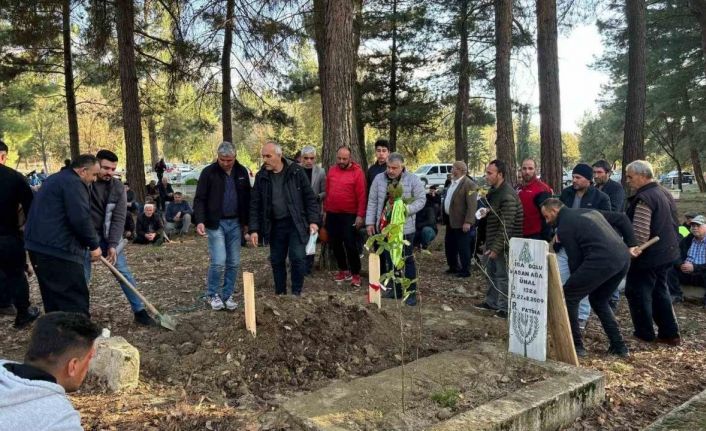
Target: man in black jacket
[109,212]
[14,289]
[382,151]
[57,234]
[598,261]
[285,211]
[221,211]
[615,192]
[652,211]
[582,194]
[426,219]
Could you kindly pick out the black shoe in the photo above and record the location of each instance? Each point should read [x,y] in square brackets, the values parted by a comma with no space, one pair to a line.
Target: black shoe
[619,350]
[581,351]
[483,306]
[411,300]
[451,271]
[23,320]
[463,274]
[142,318]
[7,311]
[677,299]
[501,314]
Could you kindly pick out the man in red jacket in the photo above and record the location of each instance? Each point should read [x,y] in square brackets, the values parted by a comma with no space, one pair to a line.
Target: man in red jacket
[344,212]
[532,193]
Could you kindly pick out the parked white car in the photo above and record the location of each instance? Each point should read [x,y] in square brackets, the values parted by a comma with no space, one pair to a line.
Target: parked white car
[433,174]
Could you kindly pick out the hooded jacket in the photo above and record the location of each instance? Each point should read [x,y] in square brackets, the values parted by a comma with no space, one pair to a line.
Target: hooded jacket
[34,404]
[412,188]
[112,212]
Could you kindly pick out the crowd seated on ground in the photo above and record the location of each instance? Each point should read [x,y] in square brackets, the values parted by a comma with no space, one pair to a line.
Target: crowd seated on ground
[166,194]
[426,220]
[149,227]
[690,268]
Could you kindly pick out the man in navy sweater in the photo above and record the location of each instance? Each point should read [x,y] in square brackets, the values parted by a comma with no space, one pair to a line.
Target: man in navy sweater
[58,233]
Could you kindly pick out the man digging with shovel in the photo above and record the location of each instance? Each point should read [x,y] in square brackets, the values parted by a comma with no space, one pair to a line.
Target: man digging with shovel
[108,212]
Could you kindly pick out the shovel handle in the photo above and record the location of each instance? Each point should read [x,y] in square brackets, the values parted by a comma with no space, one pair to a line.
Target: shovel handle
[651,241]
[123,280]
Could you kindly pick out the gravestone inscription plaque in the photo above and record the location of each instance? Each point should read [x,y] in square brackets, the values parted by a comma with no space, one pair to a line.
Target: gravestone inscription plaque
[528,298]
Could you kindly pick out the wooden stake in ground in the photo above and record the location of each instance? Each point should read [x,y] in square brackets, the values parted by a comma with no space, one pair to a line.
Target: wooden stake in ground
[249,299]
[374,279]
[558,318]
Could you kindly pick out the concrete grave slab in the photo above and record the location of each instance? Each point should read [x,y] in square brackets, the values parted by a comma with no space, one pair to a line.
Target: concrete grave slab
[549,395]
[689,416]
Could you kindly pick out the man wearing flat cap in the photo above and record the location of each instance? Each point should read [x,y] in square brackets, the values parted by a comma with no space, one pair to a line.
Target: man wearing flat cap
[582,193]
[691,267]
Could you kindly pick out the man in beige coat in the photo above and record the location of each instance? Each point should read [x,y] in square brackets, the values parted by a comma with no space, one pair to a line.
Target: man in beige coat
[459,205]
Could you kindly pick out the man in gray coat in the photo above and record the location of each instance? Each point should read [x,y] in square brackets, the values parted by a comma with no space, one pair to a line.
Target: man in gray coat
[108,213]
[378,203]
[317,177]
[33,394]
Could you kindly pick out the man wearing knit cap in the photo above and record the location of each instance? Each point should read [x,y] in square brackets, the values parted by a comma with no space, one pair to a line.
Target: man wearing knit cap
[582,194]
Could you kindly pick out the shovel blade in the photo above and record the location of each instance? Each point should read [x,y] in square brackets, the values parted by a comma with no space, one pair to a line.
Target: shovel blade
[167,321]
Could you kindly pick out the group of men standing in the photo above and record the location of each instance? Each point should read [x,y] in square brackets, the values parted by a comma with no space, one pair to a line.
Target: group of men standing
[598,233]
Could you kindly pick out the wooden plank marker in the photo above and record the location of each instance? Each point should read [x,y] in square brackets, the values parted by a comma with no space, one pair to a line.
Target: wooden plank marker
[374,280]
[249,298]
[558,318]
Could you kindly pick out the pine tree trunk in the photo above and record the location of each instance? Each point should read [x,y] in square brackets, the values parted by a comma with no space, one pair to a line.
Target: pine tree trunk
[549,102]
[152,135]
[226,108]
[358,98]
[634,132]
[464,88]
[393,81]
[505,142]
[523,132]
[693,151]
[71,113]
[698,9]
[335,49]
[132,125]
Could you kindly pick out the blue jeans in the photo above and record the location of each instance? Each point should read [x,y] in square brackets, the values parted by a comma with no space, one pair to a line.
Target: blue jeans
[285,241]
[584,305]
[121,265]
[224,253]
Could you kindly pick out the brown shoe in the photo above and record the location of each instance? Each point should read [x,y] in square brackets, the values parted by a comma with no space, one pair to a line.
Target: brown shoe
[669,341]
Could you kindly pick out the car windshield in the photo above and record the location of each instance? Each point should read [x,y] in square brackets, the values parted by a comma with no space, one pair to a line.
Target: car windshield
[422,169]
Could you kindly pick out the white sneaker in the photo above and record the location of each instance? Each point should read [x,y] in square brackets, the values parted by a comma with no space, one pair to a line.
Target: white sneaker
[231,304]
[216,303]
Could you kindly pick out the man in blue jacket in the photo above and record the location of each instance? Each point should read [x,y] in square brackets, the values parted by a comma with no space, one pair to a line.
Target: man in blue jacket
[58,233]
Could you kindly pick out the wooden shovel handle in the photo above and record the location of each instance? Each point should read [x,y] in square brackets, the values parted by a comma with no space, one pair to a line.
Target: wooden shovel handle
[648,243]
[122,278]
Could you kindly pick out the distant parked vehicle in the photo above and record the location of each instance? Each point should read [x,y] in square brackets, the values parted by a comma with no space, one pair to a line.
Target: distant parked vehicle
[433,174]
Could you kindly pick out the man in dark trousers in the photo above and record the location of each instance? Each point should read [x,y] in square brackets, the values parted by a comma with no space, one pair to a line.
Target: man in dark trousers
[14,289]
[58,233]
[582,194]
[653,212]
[159,168]
[504,215]
[108,212]
[459,212]
[344,213]
[616,193]
[222,211]
[285,211]
[598,260]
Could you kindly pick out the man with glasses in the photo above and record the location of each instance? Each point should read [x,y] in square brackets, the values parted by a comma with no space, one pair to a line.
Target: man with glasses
[691,269]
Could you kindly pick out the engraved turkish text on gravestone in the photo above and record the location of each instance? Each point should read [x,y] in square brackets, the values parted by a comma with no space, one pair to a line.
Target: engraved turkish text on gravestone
[528,298]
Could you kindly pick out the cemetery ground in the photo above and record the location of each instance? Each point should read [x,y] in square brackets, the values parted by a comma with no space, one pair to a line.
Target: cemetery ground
[213,374]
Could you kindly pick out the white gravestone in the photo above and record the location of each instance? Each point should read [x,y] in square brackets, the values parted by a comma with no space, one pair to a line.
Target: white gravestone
[528,298]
